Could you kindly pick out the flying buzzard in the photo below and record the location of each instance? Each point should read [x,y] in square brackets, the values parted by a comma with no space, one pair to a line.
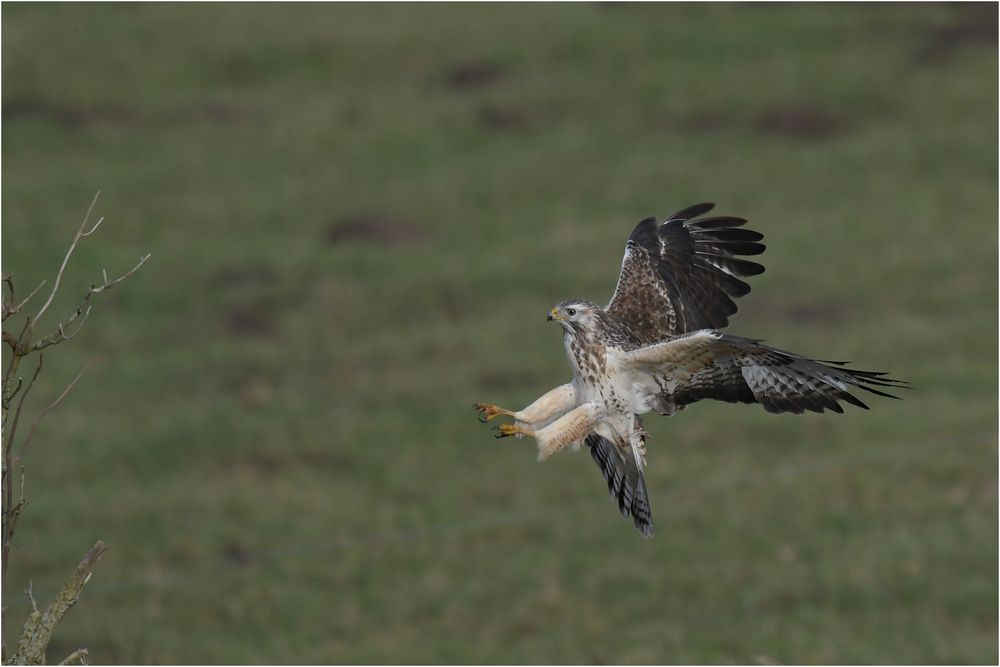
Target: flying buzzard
[657,346]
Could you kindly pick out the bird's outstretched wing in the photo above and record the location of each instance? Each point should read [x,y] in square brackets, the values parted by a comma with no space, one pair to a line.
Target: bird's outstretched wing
[625,481]
[709,364]
[682,275]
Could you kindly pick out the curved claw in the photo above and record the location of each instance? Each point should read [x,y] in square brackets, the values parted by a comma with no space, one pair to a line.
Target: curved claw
[488,411]
[506,430]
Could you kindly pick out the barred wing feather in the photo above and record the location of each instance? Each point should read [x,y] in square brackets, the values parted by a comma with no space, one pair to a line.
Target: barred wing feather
[710,364]
[626,485]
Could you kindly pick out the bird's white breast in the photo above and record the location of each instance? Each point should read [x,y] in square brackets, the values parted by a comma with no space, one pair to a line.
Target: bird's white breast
[638,390]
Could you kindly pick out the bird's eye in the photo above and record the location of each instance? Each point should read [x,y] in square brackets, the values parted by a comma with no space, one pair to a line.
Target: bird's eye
[571,312]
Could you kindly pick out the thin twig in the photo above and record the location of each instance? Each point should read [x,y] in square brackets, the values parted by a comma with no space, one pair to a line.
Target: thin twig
[52,406]
[17,415]
[11,395]
[79,654]
[62,327]
[31,597]
[84,308]
[8,311]
[94,228]
[20,498]
[10,340]
[19,352]
[11,511]
[69,253]
[109,285]
[8,280]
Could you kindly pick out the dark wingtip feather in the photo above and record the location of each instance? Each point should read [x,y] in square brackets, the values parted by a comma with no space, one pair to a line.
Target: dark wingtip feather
[721,221]
[744,248]
[727,233]
[749,268]
[853,400]
[880,393]
[692,211]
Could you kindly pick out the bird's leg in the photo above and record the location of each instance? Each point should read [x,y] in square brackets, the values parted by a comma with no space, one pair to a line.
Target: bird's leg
[568,429]
[550,405]
[637,440]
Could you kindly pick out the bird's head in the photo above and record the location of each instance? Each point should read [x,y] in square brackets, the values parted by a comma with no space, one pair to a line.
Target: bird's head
[576,315]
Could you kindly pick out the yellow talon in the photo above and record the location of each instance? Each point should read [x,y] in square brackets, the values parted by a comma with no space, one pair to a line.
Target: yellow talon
[488,411]
[507,430]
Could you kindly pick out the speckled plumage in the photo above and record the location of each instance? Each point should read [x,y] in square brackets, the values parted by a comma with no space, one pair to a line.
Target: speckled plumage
[657,347]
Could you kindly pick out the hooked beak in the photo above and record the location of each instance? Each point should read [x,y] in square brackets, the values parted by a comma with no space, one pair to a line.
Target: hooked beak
[554,315]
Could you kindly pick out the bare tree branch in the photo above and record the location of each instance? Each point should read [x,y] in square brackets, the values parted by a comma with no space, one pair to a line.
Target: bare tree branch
[30,628]
[17,414]
[10,394]
[62,327]
[15,358]
[69,253]
[10,510]
[60,334]
[10,340]
[109,284]
[84,308]
[52,406]
[38,628]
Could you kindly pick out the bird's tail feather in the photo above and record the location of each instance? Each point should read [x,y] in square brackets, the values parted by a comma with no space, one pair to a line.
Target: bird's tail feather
[625,482]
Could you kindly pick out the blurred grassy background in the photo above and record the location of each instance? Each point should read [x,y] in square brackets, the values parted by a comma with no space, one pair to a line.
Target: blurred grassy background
[359,216]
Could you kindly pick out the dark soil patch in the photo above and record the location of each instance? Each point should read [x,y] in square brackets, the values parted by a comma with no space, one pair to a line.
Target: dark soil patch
[250,390]
[456,300]
[267,464]
[710,120]
[374,228]
[244,276]
[211,112]
[791,121]
[235,553]
[503,118]
[800,123]
[109,115]
[338,461]
[66,115]
[474,75]
[974,23]
[251,319]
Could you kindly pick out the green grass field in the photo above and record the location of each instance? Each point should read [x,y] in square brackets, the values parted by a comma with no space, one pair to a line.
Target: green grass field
[359,217]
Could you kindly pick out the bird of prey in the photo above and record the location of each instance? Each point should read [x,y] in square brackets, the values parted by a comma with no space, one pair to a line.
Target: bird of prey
[657,346]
